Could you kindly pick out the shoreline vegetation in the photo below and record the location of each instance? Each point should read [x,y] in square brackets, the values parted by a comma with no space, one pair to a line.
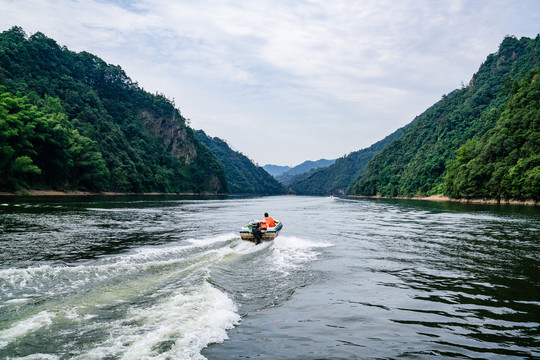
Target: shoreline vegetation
[90,193]
[461,200]
[424,198]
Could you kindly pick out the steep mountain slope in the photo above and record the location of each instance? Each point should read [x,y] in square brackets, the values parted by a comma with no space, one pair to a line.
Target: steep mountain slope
[336,178]
[505,162]
[243,176]
[109,135]
[416,163]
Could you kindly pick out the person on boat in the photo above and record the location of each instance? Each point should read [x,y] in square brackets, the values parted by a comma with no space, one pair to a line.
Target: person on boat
[269,221]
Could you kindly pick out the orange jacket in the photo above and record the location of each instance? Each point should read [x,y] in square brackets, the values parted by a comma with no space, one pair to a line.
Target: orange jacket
[270,221]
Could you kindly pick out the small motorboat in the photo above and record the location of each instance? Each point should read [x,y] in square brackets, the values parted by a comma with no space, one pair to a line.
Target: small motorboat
[253,232]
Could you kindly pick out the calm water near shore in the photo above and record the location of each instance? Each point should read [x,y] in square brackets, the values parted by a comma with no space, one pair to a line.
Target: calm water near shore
[167,277]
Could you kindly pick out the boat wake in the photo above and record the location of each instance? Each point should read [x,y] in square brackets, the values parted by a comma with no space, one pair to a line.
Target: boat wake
[164,301]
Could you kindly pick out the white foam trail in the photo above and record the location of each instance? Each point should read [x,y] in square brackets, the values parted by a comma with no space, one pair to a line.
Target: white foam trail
[179,327]
[185,319]
[17,301]
[291,252]
[38,279]
[212,240]
[25,326]
[38,357]
[292,242]
[243,247]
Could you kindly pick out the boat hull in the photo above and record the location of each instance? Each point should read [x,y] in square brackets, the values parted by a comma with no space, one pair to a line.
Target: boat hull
[267,235]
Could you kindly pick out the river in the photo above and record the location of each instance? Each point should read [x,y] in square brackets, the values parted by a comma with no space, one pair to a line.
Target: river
[167,277]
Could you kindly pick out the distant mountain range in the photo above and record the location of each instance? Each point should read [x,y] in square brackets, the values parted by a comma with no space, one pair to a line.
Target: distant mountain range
[286,174]
[276,170]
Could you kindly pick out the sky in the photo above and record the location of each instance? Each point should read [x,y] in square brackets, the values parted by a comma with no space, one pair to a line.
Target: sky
[285,81]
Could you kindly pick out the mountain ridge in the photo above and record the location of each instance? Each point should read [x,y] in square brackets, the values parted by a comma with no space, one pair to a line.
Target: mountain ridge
[286,174]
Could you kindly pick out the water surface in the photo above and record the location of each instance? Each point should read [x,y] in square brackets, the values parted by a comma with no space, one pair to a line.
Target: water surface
[168,277]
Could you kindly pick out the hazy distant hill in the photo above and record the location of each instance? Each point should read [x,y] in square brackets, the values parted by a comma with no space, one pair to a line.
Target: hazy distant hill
[243,176]
[71,121]
[416,164]
[275,170]
[302,170]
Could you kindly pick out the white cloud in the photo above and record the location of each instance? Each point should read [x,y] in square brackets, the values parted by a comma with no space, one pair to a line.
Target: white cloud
[341,73]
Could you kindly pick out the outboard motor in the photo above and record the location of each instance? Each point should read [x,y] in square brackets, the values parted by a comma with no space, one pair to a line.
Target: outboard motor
[257,233]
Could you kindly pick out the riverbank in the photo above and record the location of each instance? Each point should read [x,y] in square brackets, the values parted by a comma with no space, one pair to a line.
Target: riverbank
[87,193]
[466,201]
[425,198]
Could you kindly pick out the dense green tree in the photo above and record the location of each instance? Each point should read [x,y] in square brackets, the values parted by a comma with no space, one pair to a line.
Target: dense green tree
[505,162]
[40,148]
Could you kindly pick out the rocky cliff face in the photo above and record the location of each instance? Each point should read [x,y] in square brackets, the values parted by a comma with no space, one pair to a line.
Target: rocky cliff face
[173,134]
[180,141]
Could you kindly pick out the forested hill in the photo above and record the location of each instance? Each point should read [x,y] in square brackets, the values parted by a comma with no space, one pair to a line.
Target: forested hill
[70,121]
[336,178]
[416,164]
[505,162]
[243,176]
